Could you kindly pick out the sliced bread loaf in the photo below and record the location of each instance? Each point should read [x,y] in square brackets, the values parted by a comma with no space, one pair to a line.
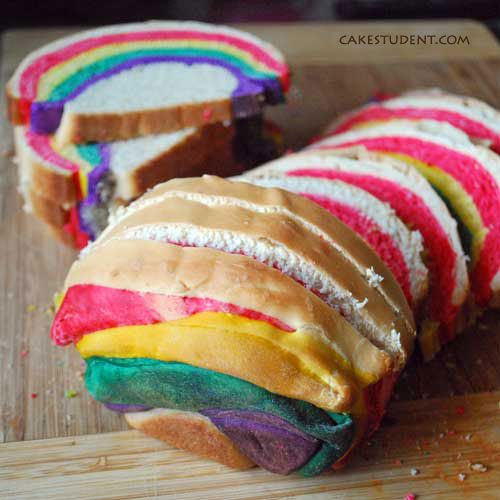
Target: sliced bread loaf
[222,299]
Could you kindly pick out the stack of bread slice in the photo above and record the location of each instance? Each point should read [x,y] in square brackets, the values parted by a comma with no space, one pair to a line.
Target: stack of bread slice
[103,115]
[245,324]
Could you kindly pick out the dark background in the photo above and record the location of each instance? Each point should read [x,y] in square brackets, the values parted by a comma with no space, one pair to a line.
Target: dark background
[29,13]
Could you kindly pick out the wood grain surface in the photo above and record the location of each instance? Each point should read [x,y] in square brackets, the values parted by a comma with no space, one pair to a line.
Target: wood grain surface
[328,79]
[439,439]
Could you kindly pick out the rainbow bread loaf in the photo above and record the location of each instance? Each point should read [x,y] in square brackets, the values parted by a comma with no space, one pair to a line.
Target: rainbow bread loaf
[415,204]
[245,324]
[117,82]
[466,176]
[104,115]
[477,119]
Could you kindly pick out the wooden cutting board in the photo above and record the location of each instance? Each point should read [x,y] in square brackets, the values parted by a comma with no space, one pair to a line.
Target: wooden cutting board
[328,78]
[426,448]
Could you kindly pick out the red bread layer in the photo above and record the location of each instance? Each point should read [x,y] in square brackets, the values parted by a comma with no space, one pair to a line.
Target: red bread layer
[90,308]
[371,232]
[483,190]
[415,214]
[471,127]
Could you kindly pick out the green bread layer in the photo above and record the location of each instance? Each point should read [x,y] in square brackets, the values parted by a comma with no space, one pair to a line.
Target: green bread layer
[173,385]
[90,153]
[67,86]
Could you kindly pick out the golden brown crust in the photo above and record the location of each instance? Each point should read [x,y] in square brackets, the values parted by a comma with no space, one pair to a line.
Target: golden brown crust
[13,108]
[47,210]
[209,150]
[151,266]
[192,432]
[107,127]
[55,183]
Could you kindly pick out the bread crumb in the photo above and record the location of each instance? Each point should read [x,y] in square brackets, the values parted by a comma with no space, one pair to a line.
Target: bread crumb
[360,305]
[478,467]
[462,476]
[373,278]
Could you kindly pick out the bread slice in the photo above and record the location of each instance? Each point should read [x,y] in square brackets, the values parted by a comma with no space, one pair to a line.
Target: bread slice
[282,231]
[418,206]
[477,119]
[375,221]
[125,81]
[465,175]
[89,180]
[189,431]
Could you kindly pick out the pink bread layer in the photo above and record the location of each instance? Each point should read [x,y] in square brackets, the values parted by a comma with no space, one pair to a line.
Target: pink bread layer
[483,191]
[89,308]
[28,81]
[471,127]
[381,242]
[415,213]
[41,144]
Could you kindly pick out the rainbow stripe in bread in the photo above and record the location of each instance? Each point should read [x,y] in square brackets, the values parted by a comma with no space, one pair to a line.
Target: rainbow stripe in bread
[245,312]
[418,206]
[466,176]
[116,82]
[477,119]
[374,221]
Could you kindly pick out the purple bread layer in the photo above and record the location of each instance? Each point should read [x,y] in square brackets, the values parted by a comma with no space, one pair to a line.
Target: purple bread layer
[269,441]
[94,177]
[126,408]
[45,116]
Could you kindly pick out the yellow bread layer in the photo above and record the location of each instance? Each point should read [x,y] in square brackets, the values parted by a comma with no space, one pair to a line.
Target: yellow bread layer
[58,73]
[163,269]
[287,363]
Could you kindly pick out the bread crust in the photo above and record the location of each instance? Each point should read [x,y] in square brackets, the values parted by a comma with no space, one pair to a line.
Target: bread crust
[191,432]
[47,210]
[208,150]
[107,127]
[56,184]
[152,266]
